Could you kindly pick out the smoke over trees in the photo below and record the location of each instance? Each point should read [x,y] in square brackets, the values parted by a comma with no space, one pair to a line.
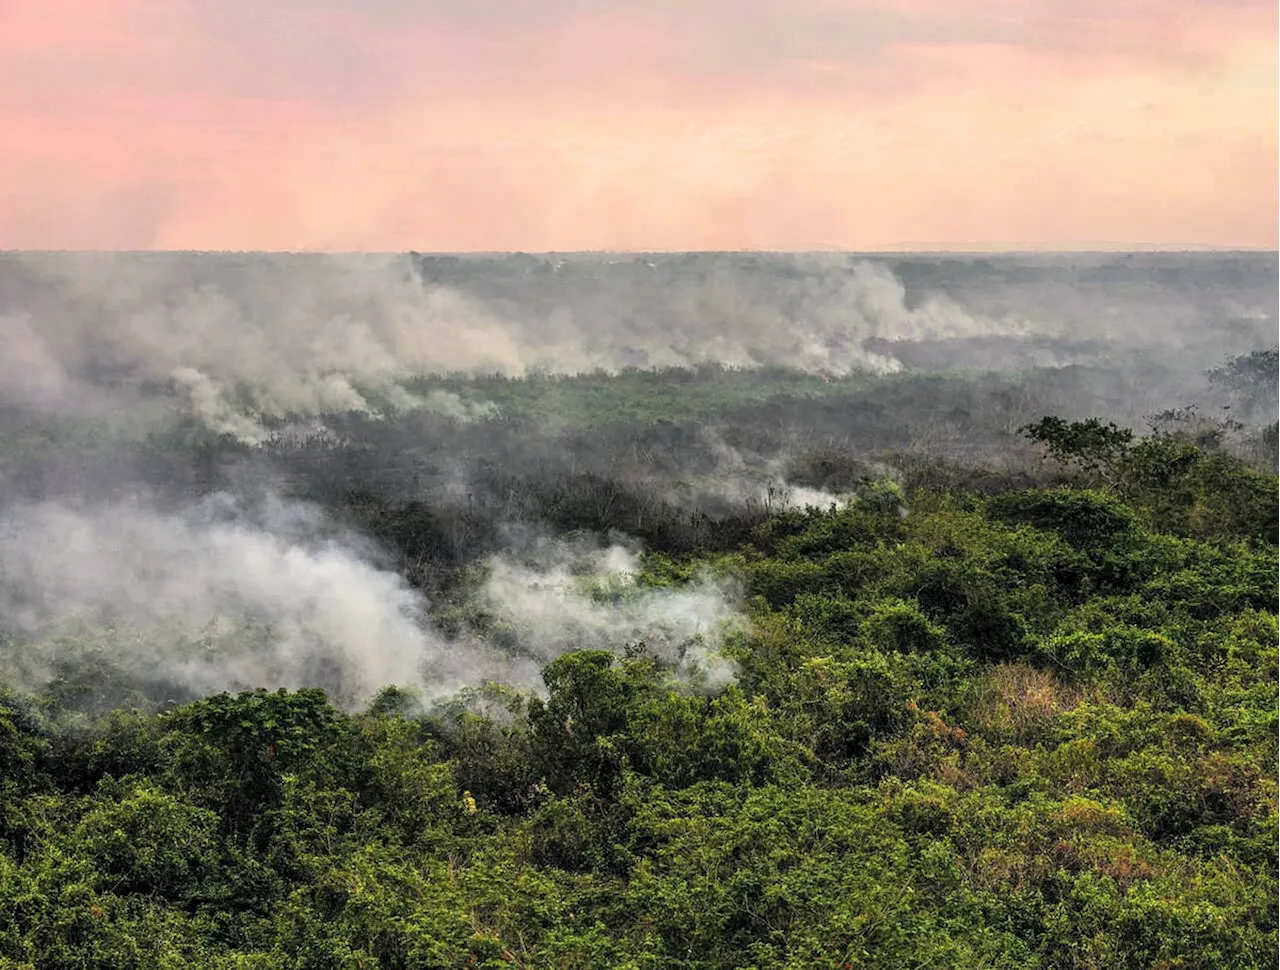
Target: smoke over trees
[708,610]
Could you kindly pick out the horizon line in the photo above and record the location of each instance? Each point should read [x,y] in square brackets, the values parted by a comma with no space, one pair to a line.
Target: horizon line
[1110,249]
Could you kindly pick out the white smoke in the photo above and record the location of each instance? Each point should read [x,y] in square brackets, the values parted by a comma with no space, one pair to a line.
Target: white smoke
[565,595]
[225,595]
[208,401]
[215,598]
[450,405]
[30,372]
[743,478]
[245,338]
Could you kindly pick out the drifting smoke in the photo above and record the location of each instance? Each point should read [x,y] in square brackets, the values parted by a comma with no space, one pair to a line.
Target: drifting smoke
[230,596]
[450,405]
[209,403]
[300,353]
[215,597]
[742,478]
[246,338]
[241,339]
[563,596]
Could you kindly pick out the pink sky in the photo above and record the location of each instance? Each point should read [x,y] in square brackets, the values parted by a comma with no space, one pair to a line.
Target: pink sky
[622,124]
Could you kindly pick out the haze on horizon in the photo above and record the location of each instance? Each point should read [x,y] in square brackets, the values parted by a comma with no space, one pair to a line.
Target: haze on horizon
[561,126]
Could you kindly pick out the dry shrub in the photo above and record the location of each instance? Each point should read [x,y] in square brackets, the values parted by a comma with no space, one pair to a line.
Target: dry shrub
[1018,699]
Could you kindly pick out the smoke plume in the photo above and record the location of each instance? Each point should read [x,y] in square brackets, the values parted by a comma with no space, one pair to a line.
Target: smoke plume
[127,537]
[213,597]
[231,595]
[238,339]
[563,595]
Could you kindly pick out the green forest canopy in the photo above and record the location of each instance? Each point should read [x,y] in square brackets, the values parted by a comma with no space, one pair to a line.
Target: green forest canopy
[1028,729]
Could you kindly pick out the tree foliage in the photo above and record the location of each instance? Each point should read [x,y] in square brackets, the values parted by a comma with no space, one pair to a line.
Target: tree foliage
[1031,729]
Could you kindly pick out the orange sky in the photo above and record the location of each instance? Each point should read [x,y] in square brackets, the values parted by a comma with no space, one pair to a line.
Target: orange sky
[622,124]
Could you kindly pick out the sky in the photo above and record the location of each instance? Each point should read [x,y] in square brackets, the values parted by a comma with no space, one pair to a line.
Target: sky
[564,125]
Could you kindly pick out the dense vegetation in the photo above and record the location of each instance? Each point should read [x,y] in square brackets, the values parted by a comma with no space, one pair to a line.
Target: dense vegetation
[1016,720]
